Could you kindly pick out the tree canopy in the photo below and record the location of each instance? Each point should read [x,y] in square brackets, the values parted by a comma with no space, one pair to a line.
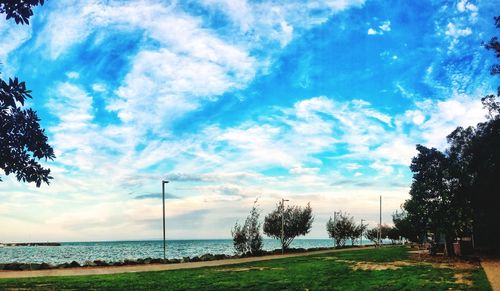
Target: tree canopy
[23,143]
[297,221]
[247,237]
[455,192]
[20,10]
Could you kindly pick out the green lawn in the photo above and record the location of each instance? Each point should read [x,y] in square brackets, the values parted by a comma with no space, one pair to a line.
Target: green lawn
[355,270]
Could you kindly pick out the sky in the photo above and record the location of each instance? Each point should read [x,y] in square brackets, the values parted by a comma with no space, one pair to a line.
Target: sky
[233,101]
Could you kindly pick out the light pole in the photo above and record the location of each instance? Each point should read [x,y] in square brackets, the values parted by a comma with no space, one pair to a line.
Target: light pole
[361,238]
[380,224]
[283,225]
[163,182]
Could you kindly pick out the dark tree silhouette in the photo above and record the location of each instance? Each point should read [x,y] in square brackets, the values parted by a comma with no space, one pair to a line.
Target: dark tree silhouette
[20,10]
[456,192]
[297,221]
[23,142]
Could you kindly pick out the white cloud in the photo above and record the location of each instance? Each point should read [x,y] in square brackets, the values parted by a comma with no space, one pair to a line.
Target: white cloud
[453,31]
[385,26]
[99,87]
[72,75]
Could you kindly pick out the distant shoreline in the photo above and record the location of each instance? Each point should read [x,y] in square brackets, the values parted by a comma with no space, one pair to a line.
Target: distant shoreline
[32,244]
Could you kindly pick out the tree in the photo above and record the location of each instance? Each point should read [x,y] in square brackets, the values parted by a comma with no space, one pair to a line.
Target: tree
[357,232]
[343,228]
[246,237]
[297,222]
[393,234]
[434,196]
[23,142]
[20,10]
[372,234]
[409,227]
[384,231]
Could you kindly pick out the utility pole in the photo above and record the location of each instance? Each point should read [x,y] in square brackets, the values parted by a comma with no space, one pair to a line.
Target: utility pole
[163,182]
[380,224]
[283,225]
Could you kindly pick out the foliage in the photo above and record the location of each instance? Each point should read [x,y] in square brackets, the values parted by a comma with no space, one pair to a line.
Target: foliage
[393,234]
[20,10]
[297,222]
[23,142]
[372,235]
[407,226]
[247,237]
[384,231]
[318,272]
[456,192]
[342,228]
[357,232]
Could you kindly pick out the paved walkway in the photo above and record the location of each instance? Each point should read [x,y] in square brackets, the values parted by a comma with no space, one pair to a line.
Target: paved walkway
[155,267]
[491,267]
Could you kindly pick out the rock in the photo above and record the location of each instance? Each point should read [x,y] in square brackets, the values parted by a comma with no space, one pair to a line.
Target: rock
[140,261]
[220,257]
[24,267]
[207,257]
[129,262]
[46,266]
[89,264]
[195,259]
[34,266]
[174,261]
[117,264]
[147,261]
[100,263]
[156,261]
[2,266]
[12,266]
[62,266]
[74,264]
[185,260]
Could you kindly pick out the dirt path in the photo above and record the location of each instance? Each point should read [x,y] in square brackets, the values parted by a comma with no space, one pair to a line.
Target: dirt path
[154,267]
[491,267]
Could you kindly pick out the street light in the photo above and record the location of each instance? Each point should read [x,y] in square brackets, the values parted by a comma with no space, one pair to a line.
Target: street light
[283,225]
[361,238]
[163,182]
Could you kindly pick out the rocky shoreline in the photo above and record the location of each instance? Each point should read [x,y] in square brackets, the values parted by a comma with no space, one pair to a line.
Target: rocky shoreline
[15,266]
[45,244]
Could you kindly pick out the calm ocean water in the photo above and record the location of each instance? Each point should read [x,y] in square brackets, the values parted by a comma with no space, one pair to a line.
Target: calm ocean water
[120,250]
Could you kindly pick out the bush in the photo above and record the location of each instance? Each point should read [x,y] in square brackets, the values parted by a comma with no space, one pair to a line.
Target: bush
[246,237]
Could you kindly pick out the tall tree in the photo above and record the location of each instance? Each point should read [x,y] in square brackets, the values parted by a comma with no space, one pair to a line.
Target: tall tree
[23,142]
[297,221]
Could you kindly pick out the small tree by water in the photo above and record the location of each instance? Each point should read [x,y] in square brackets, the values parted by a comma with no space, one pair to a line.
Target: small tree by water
[247,237]
[297,221]
[343,228]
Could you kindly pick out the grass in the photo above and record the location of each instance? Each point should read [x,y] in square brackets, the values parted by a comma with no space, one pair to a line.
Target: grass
[327,271]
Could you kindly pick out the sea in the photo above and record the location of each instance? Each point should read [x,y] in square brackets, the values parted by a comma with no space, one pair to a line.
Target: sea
[113,251]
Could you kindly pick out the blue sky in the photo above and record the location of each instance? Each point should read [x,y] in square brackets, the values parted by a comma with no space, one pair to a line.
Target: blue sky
[319,101]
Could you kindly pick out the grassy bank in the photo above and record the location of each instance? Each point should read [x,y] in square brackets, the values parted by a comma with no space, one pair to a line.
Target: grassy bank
[374,269]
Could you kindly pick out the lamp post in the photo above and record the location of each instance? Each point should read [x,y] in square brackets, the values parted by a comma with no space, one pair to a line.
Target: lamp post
[361,238]
[163,182]
[283,225]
